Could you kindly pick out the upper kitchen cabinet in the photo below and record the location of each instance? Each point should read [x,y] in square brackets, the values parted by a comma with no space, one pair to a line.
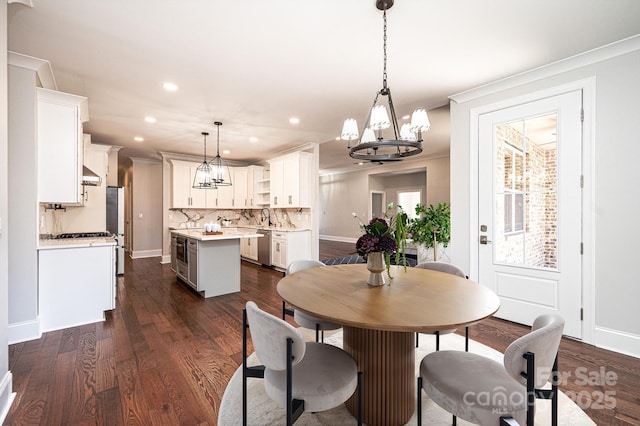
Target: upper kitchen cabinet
[60,146]
[290,178]
[257,187]
[183,196]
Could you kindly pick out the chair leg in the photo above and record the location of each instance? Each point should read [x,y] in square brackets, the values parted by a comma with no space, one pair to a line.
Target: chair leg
[359,398]
[317,332]
[455,420]
[437,341]
[295,407]
[417,339]
[554,397]
[419,401]
[254,372]
[466,339]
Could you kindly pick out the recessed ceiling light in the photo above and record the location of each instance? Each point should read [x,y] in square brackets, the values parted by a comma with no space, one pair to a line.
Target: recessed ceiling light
[138,139]
[406,117]
[294,120]
[360,163]
[150,119]
[171,87]
[226,151]
[338,138]
[253,139]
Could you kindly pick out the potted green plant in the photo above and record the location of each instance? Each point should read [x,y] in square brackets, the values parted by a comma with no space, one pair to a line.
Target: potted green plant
[431,227]
[382,238]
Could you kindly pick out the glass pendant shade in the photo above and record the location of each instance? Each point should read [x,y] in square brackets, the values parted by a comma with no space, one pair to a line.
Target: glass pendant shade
[203,176]
[221,175]
[379,118]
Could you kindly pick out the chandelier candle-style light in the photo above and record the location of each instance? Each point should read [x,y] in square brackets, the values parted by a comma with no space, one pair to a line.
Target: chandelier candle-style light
[372,145]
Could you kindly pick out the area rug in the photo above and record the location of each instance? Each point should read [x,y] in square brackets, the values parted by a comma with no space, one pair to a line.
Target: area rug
[263,411]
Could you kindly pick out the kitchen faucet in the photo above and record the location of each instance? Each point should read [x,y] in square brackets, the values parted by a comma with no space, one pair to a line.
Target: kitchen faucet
[264,216]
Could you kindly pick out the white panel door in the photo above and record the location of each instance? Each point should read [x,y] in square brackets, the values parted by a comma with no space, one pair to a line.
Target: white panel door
[530,209]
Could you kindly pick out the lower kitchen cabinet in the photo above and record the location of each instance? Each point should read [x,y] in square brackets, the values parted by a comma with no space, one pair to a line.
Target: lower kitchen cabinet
[76,285]
[249,247]
[289,246]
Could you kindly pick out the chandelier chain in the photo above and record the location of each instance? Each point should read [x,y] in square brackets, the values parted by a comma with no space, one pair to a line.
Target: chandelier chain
[384,49]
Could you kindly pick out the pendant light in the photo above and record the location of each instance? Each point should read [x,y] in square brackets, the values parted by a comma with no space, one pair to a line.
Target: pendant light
[372,145]
[220,173]
[204,173]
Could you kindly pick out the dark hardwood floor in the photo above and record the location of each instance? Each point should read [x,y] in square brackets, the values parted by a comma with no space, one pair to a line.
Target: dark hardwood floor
[165,355]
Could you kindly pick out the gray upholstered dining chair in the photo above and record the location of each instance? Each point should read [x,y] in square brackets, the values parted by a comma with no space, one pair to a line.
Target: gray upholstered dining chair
[301,318]
[482,391]
[299,376]
[453,270]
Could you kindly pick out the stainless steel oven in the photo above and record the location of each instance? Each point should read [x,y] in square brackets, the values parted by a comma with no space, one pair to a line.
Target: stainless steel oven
[181,250]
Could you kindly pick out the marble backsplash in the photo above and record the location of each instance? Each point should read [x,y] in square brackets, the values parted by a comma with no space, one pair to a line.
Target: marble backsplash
[280,218]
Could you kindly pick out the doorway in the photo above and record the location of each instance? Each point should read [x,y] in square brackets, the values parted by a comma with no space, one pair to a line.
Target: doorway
[377,204]
[530,208]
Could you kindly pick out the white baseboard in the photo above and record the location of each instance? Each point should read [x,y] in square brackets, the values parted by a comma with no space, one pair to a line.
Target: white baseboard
[338,239]
[23,331]
[146,253]
[165,259]
[618,341]
[6,395]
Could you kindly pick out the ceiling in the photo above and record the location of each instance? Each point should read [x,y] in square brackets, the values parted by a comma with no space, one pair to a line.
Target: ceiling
[254,64]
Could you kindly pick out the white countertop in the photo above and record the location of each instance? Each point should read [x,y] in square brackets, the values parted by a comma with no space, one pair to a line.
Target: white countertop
[75,243]
[235,227]
[227,234]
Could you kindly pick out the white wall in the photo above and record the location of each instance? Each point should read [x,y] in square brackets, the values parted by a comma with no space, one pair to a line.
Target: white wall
[146,213]
[344,193]
[612,319]
[6,387]
[23,213]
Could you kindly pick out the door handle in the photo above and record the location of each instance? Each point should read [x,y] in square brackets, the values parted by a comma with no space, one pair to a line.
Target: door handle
[483,240]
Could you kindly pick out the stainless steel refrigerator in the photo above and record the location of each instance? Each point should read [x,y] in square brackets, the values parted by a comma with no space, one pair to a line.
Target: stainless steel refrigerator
[115,222]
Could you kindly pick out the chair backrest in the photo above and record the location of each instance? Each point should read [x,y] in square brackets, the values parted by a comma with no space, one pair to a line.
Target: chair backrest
[299,265]
[442,267]
[543,341]
[269,336]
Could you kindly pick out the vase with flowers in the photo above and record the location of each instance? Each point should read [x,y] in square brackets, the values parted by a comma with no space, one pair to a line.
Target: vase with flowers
[382,238]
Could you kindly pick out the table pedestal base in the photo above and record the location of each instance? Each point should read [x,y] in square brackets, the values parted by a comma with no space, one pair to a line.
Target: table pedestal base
[387,361]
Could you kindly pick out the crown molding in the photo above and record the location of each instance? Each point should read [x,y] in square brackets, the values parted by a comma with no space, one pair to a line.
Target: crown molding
[42,67]
[571,63]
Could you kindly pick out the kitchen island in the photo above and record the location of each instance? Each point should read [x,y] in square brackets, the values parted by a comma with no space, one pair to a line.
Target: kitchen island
[210,264]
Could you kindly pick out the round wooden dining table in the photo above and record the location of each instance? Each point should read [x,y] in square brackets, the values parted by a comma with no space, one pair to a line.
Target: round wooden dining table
[379,324]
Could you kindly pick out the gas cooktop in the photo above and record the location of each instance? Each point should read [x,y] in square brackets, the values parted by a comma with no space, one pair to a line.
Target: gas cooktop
[83,235]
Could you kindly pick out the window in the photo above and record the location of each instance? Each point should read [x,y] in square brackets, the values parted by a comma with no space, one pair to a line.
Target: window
[408,201]
[513,190]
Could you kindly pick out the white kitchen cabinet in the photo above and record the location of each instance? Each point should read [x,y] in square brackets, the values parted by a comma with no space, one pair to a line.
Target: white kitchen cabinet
[287,247]
[60,146]
[290,180]
[257,187]
[75,285]
[240,192]
[249,246]
[182,194]
[222,197]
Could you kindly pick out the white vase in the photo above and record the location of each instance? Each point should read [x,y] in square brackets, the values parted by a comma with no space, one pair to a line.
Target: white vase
[377,266]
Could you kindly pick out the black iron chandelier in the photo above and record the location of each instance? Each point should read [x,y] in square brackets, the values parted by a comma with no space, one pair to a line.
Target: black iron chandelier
[372,145]
[213,174]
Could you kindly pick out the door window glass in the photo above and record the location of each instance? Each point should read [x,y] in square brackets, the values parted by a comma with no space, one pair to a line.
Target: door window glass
[526,192]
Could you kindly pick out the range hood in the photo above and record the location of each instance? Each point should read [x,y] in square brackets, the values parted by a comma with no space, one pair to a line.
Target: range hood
[89,178]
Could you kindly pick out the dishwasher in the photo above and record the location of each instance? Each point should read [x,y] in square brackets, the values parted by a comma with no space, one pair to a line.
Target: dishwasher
[264,247]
